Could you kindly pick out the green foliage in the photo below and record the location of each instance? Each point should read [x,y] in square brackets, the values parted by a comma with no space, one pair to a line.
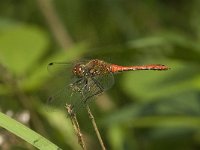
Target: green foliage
[25,133]
[147,110]
[21,47]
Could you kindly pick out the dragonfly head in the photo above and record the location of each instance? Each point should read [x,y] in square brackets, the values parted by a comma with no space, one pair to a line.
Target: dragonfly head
[79,70]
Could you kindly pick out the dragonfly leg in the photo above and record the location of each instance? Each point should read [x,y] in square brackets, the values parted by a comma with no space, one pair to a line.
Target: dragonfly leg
[78,87]
[75,85]
[97,83]
[97,92]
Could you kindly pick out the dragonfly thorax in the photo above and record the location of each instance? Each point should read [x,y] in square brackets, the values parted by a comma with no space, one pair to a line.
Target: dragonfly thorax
[80,70]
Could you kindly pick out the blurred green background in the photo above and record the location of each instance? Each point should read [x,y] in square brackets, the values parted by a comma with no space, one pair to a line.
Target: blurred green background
[144,110]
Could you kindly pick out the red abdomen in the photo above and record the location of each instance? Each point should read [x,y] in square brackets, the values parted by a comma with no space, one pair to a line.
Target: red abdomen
[116,68]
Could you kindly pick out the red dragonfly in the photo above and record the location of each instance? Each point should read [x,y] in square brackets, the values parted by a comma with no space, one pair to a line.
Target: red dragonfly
[95,76]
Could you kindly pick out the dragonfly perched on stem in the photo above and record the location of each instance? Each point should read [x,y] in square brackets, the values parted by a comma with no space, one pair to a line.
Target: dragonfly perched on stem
[95,76]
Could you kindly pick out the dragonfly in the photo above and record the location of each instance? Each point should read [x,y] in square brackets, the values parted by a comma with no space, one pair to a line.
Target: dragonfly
[93,77]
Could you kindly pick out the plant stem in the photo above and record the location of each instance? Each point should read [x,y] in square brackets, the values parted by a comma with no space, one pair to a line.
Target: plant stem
[95,127]
[56,26]
[76,126]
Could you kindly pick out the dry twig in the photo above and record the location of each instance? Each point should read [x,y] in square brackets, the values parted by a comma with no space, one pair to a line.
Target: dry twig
[95,127]
[76,126]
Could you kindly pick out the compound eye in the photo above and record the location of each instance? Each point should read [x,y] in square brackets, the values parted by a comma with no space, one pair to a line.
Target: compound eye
[81,70]
[78,70]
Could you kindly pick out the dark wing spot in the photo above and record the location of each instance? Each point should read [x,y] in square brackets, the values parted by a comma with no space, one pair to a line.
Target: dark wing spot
[50,64]
[50,99]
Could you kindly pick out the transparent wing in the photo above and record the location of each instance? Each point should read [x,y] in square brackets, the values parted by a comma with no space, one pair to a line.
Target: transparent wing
[80,92]
[74,91]
[95,86]
[58,99]
[61,77]
[66,95]
[60,69]
[104,81]
[60,87]
[91,89]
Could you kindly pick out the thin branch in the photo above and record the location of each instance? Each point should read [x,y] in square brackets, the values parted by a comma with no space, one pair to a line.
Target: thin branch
[95,127]
[76,126]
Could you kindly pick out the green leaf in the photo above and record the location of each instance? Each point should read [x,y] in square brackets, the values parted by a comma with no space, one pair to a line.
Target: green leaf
[26,134]
[21,46]
[59,120]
